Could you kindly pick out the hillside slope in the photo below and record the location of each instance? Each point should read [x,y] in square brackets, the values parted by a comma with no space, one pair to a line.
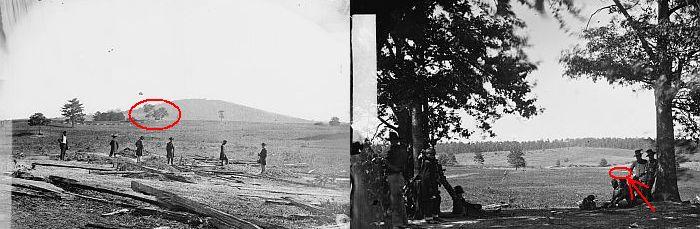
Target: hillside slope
[203,109]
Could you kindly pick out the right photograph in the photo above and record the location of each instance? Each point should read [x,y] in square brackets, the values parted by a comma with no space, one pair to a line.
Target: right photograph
[527,114]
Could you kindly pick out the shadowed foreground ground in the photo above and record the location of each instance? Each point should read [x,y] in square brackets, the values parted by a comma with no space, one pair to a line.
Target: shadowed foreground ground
[668,215]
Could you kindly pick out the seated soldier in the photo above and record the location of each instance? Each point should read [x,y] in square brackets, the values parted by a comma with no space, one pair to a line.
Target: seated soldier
[620,192]
[588,203]
[460,207]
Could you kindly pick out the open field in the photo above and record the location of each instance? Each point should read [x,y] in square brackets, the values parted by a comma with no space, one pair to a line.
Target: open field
[323,148]
[306,163]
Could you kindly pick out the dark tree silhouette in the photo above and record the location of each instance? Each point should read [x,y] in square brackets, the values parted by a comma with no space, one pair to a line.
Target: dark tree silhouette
[38,119]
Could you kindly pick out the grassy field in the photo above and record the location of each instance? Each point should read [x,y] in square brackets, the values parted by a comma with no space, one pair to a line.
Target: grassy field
[542,185]
[323,148]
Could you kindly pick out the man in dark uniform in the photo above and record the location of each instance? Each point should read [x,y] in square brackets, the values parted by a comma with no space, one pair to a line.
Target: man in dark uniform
[620,192]
[63,144]
[222,155]
[262,158]
[428,193]
[396,162]
[139,149]
[113,146]
[170,151]
[460,206]
[650,177]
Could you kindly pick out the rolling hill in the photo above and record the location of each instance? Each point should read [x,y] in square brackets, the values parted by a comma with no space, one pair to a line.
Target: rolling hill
[206,110]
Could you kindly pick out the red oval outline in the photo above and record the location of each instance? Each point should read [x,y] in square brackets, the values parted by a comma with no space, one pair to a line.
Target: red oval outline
[171,125]
[628,176]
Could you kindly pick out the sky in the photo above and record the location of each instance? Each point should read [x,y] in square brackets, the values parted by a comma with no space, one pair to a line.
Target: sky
[285,56]
[573,107]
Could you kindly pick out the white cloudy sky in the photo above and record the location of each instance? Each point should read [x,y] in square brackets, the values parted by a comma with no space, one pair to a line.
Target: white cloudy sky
[574,108]
[284,56]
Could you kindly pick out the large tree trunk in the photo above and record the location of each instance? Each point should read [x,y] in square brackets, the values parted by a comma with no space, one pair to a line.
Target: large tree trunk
[403,117]
[666,180]
[417,132]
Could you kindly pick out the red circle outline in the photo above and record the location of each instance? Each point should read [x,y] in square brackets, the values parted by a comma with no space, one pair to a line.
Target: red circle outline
[628,176]
[179,115]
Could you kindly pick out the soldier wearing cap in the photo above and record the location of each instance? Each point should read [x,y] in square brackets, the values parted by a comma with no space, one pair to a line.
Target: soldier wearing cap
[639,167]
[170,151]
[460,206]
[113,146]
[222,155]
[396,162]
[262,158]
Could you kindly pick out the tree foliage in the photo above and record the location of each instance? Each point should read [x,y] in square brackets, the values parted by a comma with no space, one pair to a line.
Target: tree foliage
[73,110]
[516,158]
[334,121]
[603,162]
[38,119]
[453,56]
[109,116]
[479,158]
[157,114]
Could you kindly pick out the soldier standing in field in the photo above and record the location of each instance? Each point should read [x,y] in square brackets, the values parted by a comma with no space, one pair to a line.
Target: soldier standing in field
[262,158]
[170,151]
[113,146]
[63,144]
[139,149]
[222,155]
[428,193]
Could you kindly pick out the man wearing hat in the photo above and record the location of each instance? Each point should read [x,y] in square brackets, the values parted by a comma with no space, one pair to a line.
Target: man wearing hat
[639,167]
[63,144]
[170,151]
[113,146]
[460,206]
[139,149]
[428,193]
[396,161]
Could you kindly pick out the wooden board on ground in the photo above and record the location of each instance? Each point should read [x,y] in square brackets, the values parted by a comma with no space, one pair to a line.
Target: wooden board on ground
[65,182]
[193,206]
[70,166]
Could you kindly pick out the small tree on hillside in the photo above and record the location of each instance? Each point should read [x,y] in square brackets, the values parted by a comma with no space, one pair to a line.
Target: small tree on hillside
[334,121]
[221,115]
[603,163]
[38,119]
[516,159]
[73,110]
[479,158]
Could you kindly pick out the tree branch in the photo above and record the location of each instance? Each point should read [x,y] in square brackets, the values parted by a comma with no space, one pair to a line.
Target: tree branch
[387,124]
[597,11]
[681,5]
[635,27]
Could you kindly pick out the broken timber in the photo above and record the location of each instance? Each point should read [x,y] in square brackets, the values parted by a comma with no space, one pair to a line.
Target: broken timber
[182,217]
[70,166]
[65,182]
[307,207]
[227,220]
[117,172]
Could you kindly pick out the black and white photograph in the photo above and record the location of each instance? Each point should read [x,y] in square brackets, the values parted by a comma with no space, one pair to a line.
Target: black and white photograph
[175,113]
[525,114]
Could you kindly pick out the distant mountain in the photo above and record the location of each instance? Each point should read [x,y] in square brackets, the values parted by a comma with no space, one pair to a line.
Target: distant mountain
[203,109]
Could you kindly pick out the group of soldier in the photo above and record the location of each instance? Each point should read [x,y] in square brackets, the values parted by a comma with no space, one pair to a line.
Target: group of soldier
[419,197]
[643,171]
[169,150]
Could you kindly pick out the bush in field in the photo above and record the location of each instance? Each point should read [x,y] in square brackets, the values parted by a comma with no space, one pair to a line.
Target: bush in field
[479,158]
[447,159]
[109,116]
[334,121]
[603,163]
[38,119]
[558,163]
[516,159]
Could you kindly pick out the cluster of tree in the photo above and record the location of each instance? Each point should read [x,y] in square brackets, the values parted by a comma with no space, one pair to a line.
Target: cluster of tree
[73,111]
[491,146]
[38,119]
[160,113]
[109,116]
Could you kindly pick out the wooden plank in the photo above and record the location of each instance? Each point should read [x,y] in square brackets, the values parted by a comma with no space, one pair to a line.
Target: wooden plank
[105,201]
[70,166]
[193,206]
[117,212]
[41,187]
[116,172]
[61,181]
[307,207]
[186,218]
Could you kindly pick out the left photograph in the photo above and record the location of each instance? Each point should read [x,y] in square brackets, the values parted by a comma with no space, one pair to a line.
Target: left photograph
[174,114]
